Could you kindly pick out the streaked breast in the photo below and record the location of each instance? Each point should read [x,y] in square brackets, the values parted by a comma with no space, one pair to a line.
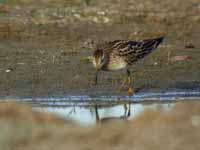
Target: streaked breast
[116,63]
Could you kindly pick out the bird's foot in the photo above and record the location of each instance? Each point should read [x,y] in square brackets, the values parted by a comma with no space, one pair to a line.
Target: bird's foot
[130,91]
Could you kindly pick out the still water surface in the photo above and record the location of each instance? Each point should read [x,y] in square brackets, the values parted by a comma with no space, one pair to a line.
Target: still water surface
[87,110]
[87,115]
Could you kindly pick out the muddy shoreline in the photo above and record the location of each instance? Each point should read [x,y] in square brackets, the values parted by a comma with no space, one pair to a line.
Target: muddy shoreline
[45,49]
[33,69]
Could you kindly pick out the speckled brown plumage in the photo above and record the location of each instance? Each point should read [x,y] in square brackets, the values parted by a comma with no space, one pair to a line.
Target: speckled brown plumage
[119,54]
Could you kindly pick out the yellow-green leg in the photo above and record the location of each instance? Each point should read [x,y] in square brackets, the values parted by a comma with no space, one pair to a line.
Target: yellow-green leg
[128,81]
[130,90]
[95,78]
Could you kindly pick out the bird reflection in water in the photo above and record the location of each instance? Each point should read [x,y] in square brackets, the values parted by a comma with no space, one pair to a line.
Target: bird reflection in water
[125,116]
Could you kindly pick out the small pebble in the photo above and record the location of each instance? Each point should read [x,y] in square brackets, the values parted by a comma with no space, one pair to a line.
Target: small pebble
[180,58]
[9,70]
[155,63]
[189,45]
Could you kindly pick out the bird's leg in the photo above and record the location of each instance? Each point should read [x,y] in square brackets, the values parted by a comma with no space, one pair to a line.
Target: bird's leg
[125,109]
[96,114]
[96,77]
[129,110]
[126,80]
[128,76]
[122,85]
[130,89]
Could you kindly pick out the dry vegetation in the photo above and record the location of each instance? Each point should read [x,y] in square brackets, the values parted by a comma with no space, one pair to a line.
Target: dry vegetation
[179,129]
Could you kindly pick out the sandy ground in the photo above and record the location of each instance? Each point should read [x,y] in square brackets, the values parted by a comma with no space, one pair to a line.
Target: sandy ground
[177,128]
[45,45]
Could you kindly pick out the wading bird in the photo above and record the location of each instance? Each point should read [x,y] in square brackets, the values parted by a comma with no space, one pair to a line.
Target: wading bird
[120,54]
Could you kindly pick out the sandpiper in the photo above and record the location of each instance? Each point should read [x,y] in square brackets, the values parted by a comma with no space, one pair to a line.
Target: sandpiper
[120,54]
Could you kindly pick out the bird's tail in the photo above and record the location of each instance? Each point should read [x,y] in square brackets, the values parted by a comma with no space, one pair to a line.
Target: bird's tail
[147,46]
[158,40]
[152,43]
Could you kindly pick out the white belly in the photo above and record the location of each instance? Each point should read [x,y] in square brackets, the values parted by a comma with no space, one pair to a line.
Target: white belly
[117,64]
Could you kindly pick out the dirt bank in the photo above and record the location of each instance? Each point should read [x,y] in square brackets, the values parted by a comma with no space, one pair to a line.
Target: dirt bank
[177,128]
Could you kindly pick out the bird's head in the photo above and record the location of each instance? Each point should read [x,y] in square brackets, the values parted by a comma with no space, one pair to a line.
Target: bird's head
[99,59]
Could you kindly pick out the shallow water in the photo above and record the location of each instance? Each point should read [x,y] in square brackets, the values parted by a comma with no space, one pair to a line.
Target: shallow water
[88,116]
[87,100]
[86,110]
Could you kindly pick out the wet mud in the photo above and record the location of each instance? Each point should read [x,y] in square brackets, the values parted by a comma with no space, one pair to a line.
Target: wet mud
[45,47]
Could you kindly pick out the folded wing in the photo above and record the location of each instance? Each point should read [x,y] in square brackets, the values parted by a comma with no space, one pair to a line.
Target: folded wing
[134,50]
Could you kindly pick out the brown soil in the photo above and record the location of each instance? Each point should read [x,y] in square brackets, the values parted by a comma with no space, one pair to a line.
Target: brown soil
[45,45]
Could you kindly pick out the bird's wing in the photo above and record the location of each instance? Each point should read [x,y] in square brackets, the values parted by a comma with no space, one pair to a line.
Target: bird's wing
[109,46]
[134,50]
